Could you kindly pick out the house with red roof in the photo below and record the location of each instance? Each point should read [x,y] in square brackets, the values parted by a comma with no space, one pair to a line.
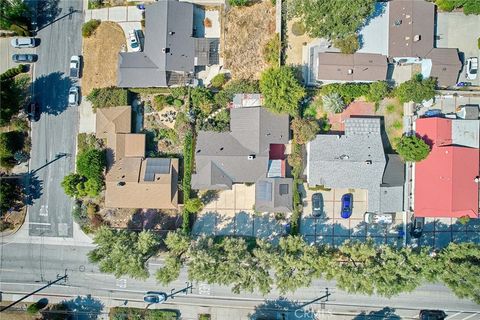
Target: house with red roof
[447,181]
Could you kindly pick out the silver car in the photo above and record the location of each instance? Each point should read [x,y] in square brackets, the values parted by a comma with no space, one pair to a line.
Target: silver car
[378,218]
[23,42]
[73,96]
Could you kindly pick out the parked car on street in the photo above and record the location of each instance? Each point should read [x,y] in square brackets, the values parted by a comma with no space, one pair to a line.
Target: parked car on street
[378,218]
[464,84]
[73,96]
[75,67]
[317,204]
[347,204]
[417,227]
[155,297]
[433,113]
[24,57]
[134,43]
[33,111]
[472,68]
[23,42]
[432,315]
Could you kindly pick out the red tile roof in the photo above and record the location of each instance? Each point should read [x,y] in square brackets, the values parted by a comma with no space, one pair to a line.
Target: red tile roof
[444,182]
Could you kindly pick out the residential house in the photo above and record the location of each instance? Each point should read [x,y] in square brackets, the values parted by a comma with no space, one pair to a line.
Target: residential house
[356,159]
[447,181]
[133,180]
[171,48]
[253,151]
[358,67]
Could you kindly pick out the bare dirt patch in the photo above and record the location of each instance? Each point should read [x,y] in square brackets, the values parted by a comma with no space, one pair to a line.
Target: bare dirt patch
[295,45]
[100,53]
[247,30]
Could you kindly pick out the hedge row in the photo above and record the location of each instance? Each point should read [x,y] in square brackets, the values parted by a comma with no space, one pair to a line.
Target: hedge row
[187,178]
[89,27]
[12,72]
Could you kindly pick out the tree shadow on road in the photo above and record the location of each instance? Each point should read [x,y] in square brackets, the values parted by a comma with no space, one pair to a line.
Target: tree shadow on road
[281,308]
[386,313]
[51,92]
[47,11]
[32,188]
[84,308]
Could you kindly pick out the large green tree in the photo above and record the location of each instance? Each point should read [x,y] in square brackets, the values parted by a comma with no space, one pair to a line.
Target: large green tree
[331,19]
[13,12]
[412,148]
[202,98]
[304,130]
[8,194]
[416,89]
[281,90]
[122,252]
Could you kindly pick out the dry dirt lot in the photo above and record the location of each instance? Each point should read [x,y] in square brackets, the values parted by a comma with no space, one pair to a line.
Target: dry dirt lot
[100,53]
[247,29]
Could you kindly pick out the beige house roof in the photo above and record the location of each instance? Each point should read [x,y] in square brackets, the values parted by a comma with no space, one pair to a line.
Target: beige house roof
[133,181]
[351,67]
[411,28]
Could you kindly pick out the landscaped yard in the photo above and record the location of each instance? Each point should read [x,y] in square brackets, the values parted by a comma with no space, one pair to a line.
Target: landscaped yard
[247,30]
[100,56]
[392,111]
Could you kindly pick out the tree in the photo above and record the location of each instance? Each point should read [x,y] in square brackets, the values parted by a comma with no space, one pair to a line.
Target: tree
[412,148]
[219,80]
[13,12]
[177,244]
[271,51]
[123,252]
[304,130]
[12,95]
[233,87]
[338,18]
[193,205]
[91,163]
[333,103]
[70,184]
[281,90]
[416,90]
[203,99]
[348,45]
[460,269]
[377,91]
[8,195]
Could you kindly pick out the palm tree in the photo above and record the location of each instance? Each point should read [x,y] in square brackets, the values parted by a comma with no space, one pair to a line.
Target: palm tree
[333,103]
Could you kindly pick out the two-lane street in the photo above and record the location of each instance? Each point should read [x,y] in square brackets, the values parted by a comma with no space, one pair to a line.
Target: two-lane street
[49,212]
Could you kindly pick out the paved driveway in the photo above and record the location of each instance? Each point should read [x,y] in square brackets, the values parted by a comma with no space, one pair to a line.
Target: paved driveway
[457,30]
[7,51]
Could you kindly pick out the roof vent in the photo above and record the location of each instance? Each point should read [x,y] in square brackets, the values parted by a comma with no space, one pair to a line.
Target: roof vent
[221,148]
[344,157]
[171,33]
[398,22]
[417,38]
[165,50]
[120,183]
[477,179]
[251,157]
[368,162]
[198,151]
[350,71]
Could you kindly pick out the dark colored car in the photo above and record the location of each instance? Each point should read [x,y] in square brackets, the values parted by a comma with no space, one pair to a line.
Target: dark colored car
[317,204]
[155,297]
[33,111]
[347,203]
[24,57]
[432,315]
[433,113]
[417,227]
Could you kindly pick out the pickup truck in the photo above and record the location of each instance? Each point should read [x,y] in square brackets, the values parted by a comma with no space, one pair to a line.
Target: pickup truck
[75,67]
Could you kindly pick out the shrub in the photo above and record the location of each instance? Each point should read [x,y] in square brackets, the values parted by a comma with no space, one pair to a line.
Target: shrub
[478,43]
[10,142]
[219,80]
[238,3]
[225,96]
[207,23]
[89,27]
[304,130]
[20,125]
[464,220]
[187,178]
[298,29]
[377,91]
[160,102]
[271,51]
[108,97]
[416,90]
[412,148]
[202,98]
[333,103]
[348,45]
[193,205]
[12,72]
[91,163]
[390,108]
[347,91]
[33,309]
[20,29]
[178,103]
[91,209]
[8,194]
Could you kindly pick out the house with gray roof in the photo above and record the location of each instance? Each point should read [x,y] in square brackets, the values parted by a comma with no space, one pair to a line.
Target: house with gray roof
[171,50]
[357,159]
[248,153]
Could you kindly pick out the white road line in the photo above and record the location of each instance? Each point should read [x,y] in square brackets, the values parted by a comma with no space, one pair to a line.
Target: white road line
[472,315]
[453,315]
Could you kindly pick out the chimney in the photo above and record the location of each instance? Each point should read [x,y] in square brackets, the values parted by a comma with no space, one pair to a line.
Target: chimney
[166,50]
[350,71]
[417,38]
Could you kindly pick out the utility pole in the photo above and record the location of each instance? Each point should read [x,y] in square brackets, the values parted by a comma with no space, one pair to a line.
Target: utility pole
[64,277]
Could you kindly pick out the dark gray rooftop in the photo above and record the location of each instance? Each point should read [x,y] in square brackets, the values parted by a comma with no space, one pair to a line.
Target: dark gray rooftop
[274,195]
[169,46]
[353,160]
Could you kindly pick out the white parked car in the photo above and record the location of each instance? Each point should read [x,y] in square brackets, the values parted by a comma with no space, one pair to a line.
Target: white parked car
[378,218]
[73,96]
[133,39]
[472,68]
[23,42]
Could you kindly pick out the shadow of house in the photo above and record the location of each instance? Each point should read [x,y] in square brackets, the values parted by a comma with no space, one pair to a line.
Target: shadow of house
[51,92]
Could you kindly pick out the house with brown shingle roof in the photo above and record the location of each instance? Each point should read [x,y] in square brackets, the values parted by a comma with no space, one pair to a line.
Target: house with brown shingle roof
[132,180]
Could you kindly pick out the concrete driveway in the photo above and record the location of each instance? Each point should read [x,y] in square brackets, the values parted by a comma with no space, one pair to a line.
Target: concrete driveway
[457,30]
[7,51]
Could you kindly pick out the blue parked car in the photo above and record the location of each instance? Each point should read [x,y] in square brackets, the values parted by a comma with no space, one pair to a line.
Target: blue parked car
[433,113]
[347,203]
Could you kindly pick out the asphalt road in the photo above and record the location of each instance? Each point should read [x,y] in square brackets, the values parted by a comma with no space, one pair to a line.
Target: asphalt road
[25,267]
[54,135]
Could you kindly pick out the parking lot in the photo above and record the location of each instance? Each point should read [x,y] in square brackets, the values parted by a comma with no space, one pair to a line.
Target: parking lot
[457,30]
[329,228]
[7,50]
